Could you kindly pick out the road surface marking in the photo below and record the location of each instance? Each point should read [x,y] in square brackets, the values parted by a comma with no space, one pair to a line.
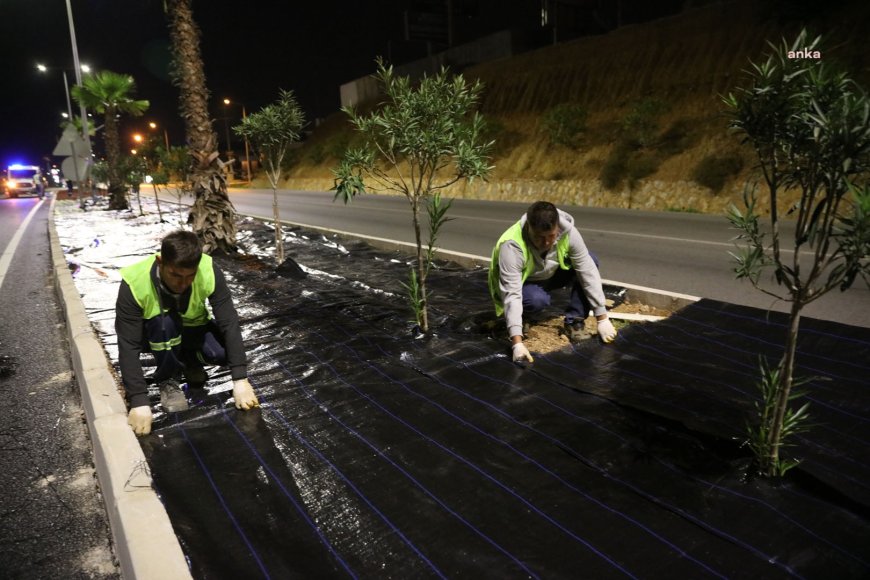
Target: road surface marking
[654,237]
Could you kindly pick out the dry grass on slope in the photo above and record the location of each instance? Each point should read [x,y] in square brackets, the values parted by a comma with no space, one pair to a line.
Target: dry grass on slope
[683,63]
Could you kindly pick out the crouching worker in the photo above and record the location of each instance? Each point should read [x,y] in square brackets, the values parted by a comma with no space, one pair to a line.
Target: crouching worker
[541,253]
[161,309]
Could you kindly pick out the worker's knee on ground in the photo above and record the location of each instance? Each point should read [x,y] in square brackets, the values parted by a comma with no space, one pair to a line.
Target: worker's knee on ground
[535,298]
[212,350]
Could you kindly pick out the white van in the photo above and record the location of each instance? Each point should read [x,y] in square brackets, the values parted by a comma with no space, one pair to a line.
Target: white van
[23,179]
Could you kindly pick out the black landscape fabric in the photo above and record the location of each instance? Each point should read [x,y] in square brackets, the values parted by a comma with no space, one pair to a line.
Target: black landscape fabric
[382,453]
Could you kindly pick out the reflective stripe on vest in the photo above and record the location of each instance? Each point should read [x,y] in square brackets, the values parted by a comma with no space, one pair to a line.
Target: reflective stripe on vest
[515,233]
[138,278]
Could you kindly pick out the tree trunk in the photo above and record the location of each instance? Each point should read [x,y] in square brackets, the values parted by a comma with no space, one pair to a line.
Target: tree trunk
[421,268]
[212,217]
[786,374]
[157,202]
[117,192]
[279,235]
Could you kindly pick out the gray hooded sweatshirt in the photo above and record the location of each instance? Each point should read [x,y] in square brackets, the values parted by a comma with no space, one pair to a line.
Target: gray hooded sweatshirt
[511,266]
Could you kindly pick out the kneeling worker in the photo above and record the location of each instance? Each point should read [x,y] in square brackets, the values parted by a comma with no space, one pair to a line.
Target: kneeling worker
[541,253]
[161,309]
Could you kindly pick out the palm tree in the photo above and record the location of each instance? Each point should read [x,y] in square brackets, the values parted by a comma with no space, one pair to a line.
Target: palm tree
[111,93]
[212,216]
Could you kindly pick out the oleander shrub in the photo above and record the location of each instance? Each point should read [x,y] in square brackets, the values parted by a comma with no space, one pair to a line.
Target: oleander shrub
[714,171]
[641,125]
[565,124]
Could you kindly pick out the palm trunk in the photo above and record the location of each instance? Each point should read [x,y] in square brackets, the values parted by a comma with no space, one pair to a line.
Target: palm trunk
[117,192]
[212,217]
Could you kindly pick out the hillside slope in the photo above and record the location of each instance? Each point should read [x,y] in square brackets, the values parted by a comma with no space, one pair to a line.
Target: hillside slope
[651,93]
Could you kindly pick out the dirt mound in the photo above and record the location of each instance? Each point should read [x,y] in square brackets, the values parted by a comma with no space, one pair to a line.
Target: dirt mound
[548,335]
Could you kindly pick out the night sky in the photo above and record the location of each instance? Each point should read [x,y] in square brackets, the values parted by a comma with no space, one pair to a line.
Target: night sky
[250,51]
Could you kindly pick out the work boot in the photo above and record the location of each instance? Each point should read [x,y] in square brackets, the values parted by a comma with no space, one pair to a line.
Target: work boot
[576,332]
[195,375]
[172,398]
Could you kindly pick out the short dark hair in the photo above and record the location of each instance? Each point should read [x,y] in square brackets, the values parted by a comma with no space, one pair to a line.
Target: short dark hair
[182,249]
[542,216]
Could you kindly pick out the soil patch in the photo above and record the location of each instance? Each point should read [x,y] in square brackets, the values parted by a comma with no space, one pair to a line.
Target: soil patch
[548,335]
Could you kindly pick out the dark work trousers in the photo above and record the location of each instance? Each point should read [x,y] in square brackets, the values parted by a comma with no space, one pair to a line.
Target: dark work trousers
[536,294]
[199,345]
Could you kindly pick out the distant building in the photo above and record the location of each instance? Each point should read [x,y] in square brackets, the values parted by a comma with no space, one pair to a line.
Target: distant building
[430,26]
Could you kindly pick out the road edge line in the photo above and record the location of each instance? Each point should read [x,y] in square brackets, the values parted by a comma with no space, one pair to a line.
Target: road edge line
[654,297]
[12,246]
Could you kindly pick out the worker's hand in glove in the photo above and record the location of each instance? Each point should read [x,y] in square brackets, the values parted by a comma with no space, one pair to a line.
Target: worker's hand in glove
[244,395]
[606,331]
[521,353]
[139,419]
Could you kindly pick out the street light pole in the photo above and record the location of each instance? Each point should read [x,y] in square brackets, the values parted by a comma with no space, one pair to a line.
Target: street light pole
[72,144]
[66,91]
[43,68]
[75,51]
[153,125]
[247,153]
[228,102]
[227,130]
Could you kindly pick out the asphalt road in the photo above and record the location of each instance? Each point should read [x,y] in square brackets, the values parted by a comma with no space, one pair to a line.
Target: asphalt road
[677,252]
[53,522]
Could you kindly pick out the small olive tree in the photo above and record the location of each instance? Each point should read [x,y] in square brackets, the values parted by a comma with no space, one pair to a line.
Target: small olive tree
[171,165]
[810,128]
[271,131]
[421,139]
[133,169]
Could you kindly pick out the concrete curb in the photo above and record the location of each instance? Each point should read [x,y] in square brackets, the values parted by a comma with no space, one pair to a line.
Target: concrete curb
[145,543]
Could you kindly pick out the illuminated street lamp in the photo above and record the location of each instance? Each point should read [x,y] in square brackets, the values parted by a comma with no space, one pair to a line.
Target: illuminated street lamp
[153,126]
[227,128]
[42,68]
[227,103]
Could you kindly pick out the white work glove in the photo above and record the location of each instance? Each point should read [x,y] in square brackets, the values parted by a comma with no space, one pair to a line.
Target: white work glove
[139,419]
[244,395]
[521,353]
[606,331]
